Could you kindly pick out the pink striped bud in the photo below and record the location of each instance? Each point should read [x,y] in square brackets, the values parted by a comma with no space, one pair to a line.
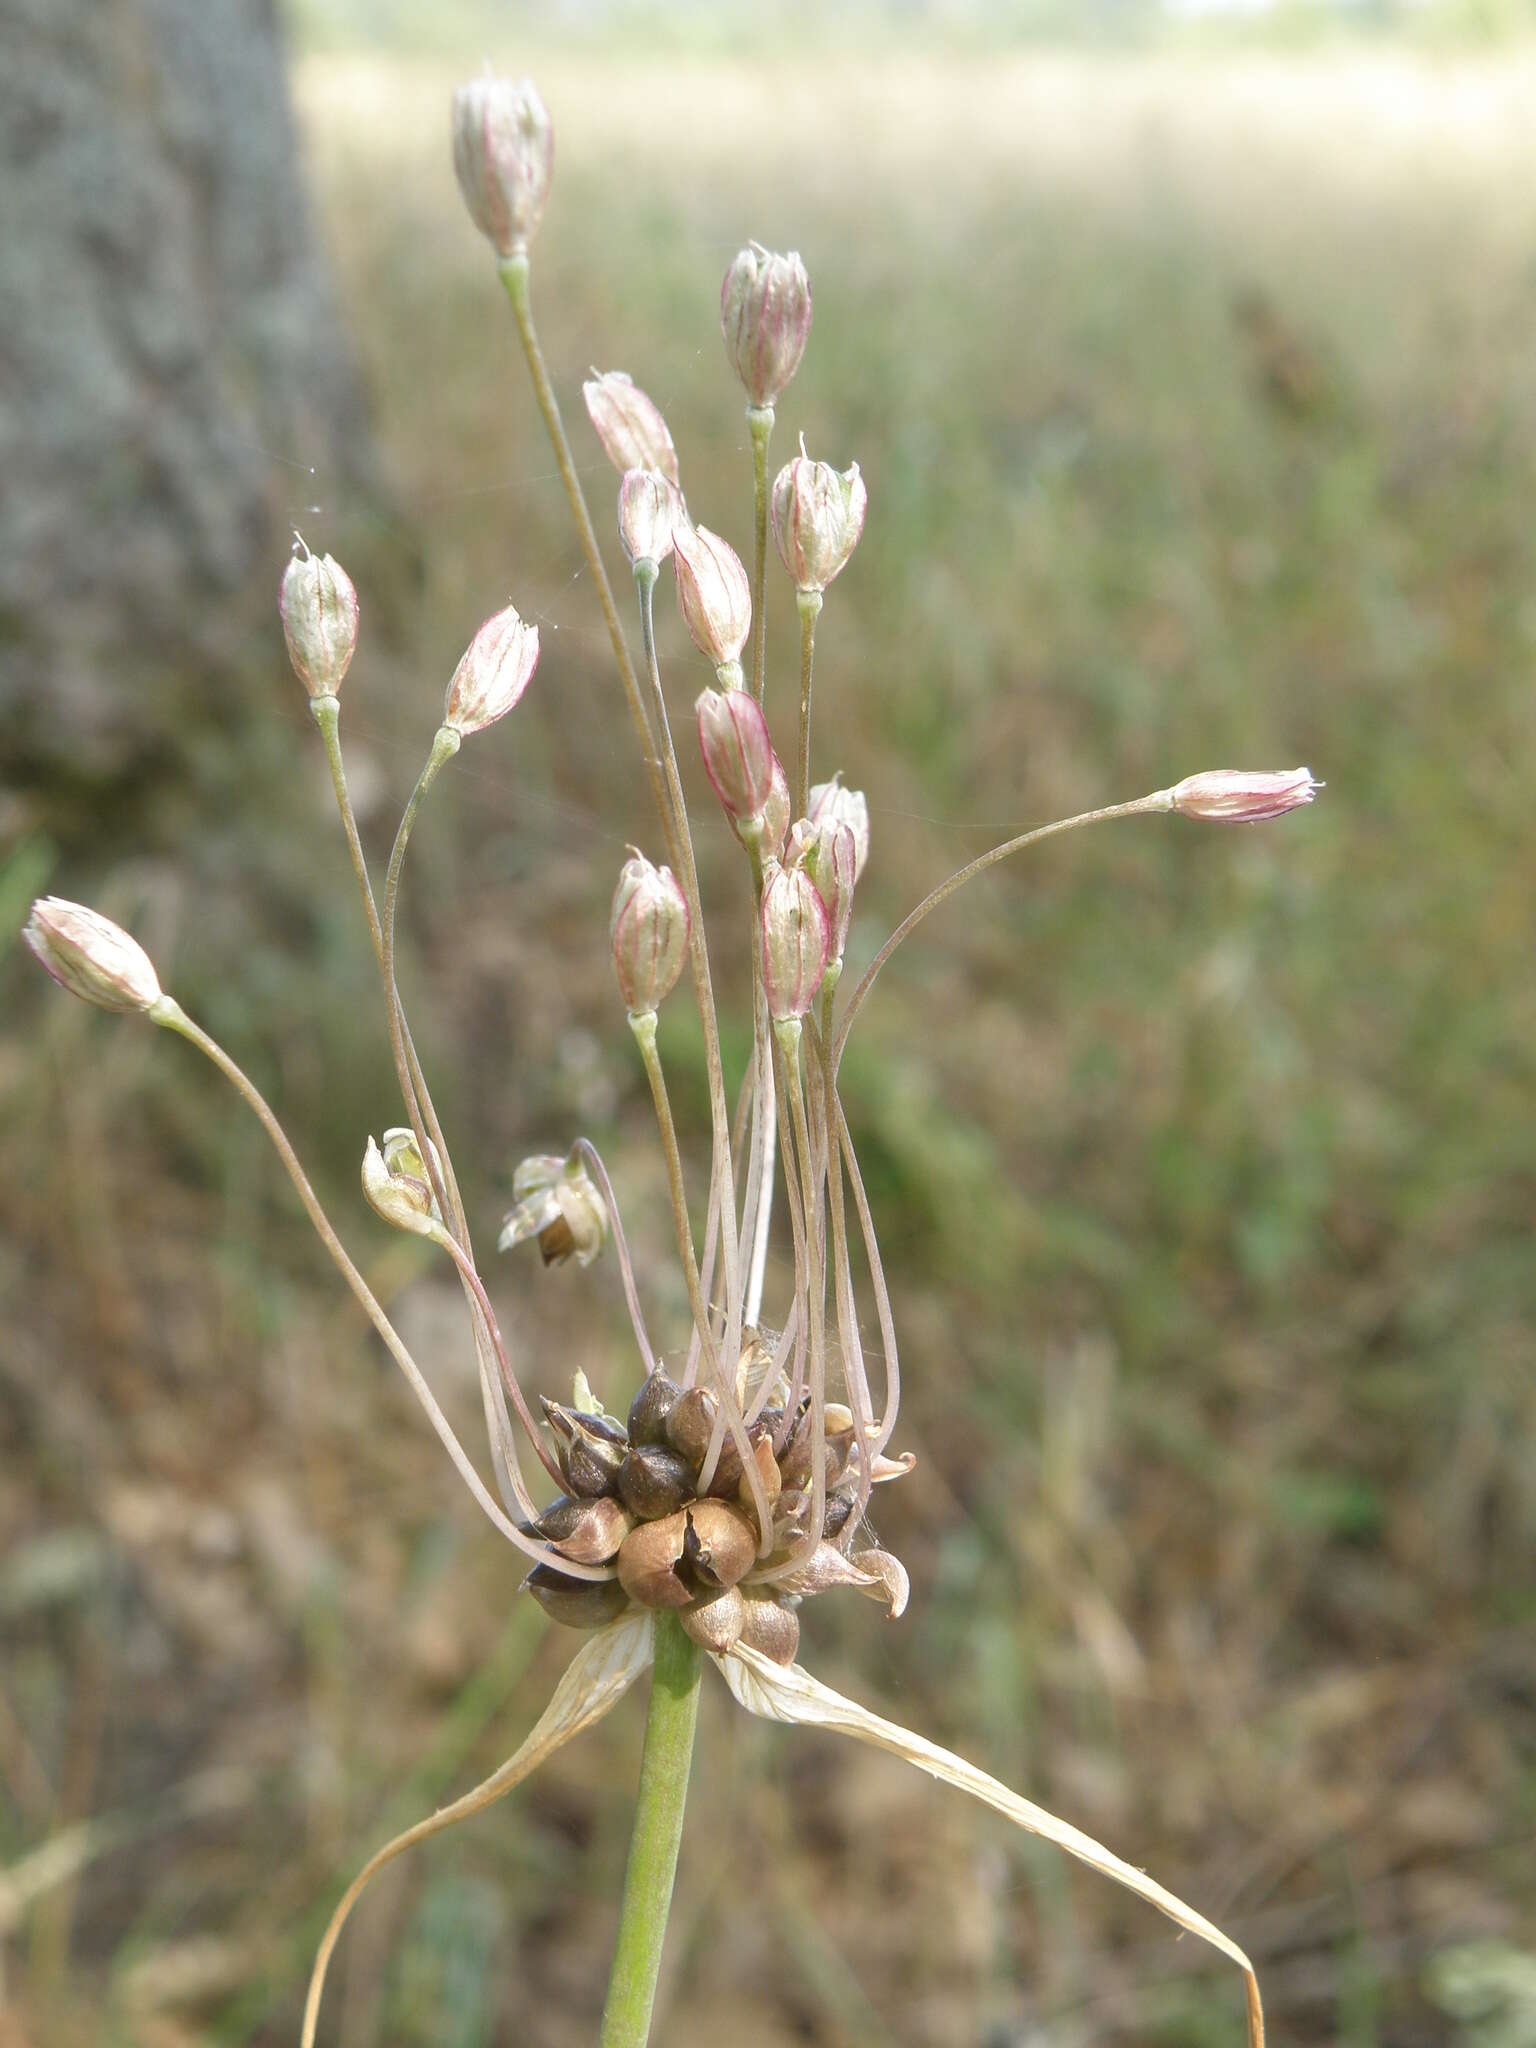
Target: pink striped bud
[318,607]
[738,754]
[648,930]
[796,934]
[775,821]
[91,956]
[827,853]
[848,807]
[1239,796]
[765,317]
[629,425]
[504,155]
[713,594]
[493,672]
[818,515]
[650,509]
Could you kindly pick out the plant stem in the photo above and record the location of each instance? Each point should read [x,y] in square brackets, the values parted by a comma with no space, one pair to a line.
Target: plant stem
[760,421]
[810,610]
[664,1767]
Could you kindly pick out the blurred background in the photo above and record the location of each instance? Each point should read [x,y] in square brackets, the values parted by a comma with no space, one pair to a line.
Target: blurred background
[1190,356]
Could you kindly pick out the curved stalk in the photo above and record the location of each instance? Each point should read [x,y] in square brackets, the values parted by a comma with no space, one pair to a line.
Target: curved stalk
[760,422]
[599,1172]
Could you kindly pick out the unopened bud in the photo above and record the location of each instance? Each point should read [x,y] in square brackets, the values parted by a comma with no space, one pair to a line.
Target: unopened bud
[827,853]
[765,317]
[493,672]
[738,753]
[400,1198]
[648,931]
[504,155]
[713,594]
[91,956]
[556,1202]
[796,934]
[1238,796]
[649,511]
[848,807]
[629,425]
[818,515]
[775,820]
[318,608]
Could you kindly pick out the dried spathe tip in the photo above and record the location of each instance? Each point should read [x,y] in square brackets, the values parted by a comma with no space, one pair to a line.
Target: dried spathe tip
[713,594]
[648,931]
[629,425]
[91,956]
[504,155]
[556,1202]
[318,608]
[818,515]
[1242,796]
[765,319]
[493,672]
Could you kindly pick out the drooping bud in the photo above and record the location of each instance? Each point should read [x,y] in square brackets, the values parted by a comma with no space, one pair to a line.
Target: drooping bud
[796,933]
[91,956]
[318,608]
[504,155]
[738,753]
[493,672]
[650,509]
[629,425]
[765,317]
[827,853]
[556,1201]
[830,799]
[818,515]
[775,819]
[400,1198]
[648,931]
[1240,796]
[713,595]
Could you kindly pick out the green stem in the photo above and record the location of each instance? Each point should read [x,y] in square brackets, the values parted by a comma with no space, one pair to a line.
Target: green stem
[810,610]
[760,420]
[664,1767]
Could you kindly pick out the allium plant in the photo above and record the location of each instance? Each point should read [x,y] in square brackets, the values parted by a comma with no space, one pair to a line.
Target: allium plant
[737,1483]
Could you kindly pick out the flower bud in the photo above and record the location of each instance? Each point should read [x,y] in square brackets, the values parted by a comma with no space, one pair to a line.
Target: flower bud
[576,1603]
[796,933]
[493,672]
[738,754]
[775,819]
[504,154]
[556,1201]
[830,799]
[91,956]
[765,317]
[713,594]
[400,1198]
[649,511]
[648,931]
[318,608]
[818,515]
[629,425]
[827,853]
[1239,796]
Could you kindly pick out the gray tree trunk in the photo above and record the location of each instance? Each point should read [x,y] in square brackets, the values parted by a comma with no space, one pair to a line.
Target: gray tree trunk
[170,365]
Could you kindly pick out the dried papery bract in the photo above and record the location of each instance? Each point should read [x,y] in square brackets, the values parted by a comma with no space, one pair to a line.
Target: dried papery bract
[629,425]
[91,956]
[818,515]
[713,596]
[796,932]
[648,932]
[318,608]
[765,319]
[848,807]
[556,1202]
[650,510]
[493,672]
[1242,796]
[738,753]
[504,155]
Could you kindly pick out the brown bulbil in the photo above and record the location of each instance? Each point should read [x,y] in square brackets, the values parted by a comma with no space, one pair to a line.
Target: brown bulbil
[720,1546]
[768,1472]
[648,1561]
[691,1423]
[590,1448]
[649,1410]
[715,1624]
[576,1603]
[654,1481]
[586,1531]
[770,1628]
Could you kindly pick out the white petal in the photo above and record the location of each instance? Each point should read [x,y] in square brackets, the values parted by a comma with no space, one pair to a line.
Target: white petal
[777,1694]
[600,1673]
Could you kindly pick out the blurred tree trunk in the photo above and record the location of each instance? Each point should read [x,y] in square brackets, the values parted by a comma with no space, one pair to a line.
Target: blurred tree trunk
[171,371]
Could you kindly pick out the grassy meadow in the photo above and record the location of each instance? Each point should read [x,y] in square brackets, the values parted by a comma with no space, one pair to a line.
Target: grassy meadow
[1196,398]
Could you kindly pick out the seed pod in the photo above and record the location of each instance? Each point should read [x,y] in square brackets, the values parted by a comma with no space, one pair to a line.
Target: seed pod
[818,515]
[649,1558]
[654,1481]
[691,1424]
[576,1603]
[771,1628]
[715,1624]
[650,1408]
[585,1531]
[719,1545]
